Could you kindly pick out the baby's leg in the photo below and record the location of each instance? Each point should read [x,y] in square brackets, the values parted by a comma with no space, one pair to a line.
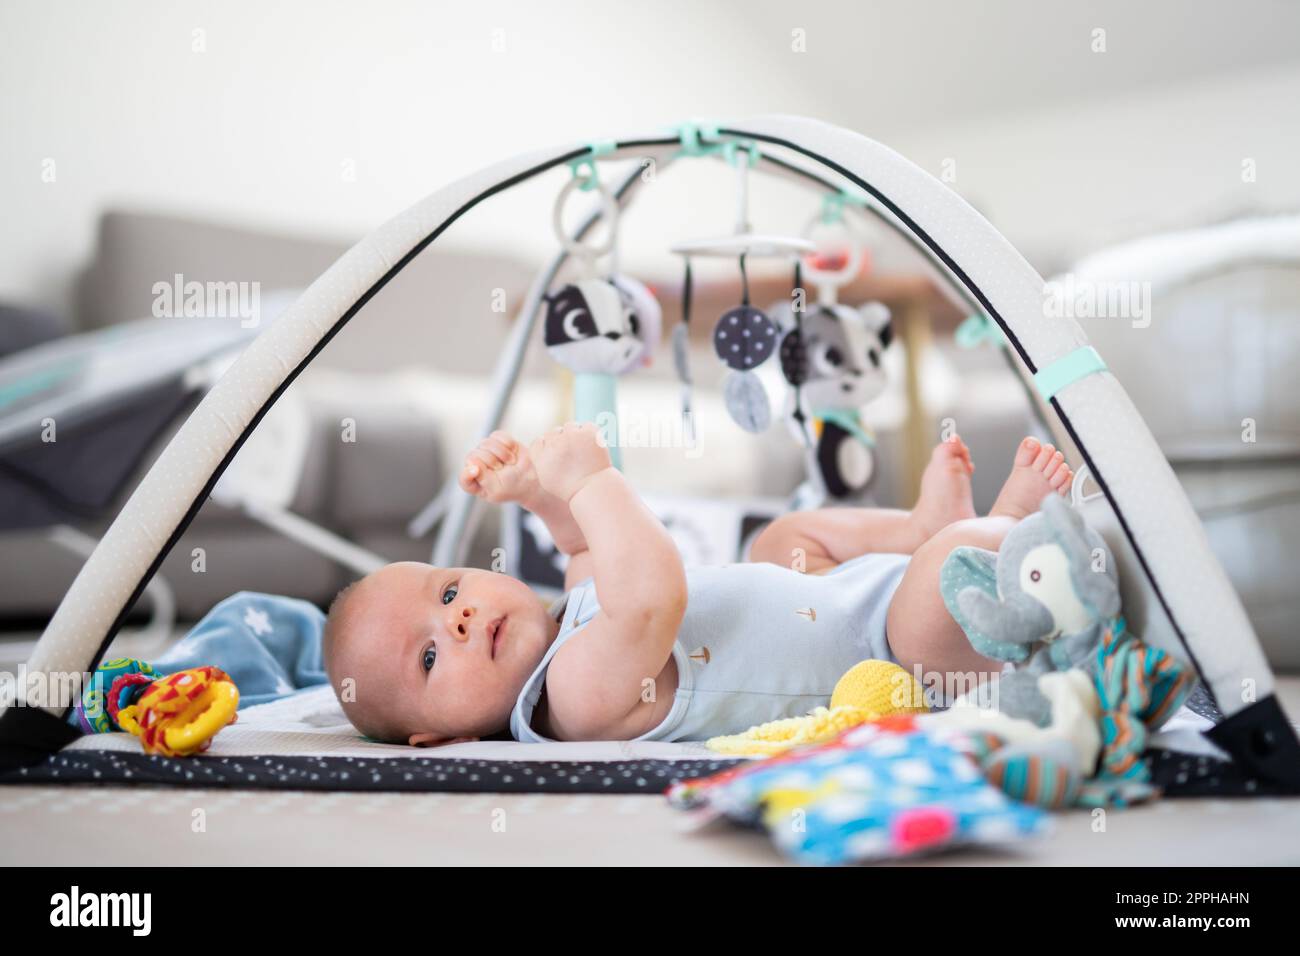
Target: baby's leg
[921,631]
[822,539]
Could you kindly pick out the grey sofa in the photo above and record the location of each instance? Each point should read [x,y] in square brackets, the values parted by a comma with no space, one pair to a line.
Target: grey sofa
[367,496]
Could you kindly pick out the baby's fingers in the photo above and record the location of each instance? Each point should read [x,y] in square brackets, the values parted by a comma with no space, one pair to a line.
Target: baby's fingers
[479,465]
[489,454]
[502,448]
[506,441]
[469,478]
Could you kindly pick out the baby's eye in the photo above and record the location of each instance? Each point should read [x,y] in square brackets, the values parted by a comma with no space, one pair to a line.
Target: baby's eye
[449,595]
[430,655]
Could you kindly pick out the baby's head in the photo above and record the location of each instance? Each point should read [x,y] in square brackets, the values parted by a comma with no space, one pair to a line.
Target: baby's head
[427,655]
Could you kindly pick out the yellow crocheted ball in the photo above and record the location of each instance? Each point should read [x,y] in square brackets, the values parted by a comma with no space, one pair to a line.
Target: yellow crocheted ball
[881,687]
[870,690]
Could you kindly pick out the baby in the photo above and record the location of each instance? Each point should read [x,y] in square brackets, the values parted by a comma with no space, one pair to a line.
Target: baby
[641,648]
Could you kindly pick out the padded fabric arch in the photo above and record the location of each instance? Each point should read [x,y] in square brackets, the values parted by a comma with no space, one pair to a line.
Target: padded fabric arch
[1210,626]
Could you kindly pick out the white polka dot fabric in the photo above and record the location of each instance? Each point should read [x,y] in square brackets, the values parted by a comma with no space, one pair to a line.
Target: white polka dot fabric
[1197,591]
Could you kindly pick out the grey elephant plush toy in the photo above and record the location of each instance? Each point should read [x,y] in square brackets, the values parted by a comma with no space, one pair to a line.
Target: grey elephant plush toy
[1040,602]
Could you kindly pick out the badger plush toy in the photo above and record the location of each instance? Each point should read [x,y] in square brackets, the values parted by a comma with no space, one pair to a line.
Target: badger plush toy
[601,326]
[833,360]
[600,329]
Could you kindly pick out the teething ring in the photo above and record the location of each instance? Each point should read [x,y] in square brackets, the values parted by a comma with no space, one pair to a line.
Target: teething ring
[831,277]
[222,701]
[608,212]
[179,715]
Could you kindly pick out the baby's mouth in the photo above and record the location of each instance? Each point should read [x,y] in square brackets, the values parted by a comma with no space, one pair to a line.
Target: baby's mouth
[495,631]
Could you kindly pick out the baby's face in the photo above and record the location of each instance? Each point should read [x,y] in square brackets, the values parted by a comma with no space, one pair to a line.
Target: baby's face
[449,648]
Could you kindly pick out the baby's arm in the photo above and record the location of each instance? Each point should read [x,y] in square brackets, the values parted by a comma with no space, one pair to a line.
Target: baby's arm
[640,583]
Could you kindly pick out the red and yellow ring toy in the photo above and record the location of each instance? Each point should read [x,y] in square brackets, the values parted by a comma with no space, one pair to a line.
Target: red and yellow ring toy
[180,714]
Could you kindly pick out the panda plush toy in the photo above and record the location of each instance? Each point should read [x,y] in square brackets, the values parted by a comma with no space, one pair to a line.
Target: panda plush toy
[833,362]
[601,326]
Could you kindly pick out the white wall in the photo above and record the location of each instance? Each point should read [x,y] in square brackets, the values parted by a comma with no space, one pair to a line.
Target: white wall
[1058,181]
[253,112]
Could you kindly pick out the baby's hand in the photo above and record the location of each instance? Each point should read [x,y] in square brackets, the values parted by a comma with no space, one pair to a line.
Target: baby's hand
[499,470]
[566,457]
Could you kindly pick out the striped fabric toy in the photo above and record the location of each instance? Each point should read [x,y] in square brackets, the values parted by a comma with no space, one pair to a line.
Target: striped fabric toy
[1139,687]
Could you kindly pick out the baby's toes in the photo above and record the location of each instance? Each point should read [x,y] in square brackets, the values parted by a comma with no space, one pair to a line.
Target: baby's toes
[965,459]
[1054,464]
[1060,480]
[1044,457]
[945,450]
[1027,452]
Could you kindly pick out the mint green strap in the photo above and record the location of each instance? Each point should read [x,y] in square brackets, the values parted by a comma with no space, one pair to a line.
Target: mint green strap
[1067,370]
[848,420]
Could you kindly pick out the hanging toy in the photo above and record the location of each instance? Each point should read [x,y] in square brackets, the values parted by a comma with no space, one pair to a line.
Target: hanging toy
[682,362]
[744,337]
[601,326]
[591,329]
[831,356]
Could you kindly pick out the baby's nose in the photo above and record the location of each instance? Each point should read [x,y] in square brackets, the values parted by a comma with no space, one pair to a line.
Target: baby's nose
[458,623]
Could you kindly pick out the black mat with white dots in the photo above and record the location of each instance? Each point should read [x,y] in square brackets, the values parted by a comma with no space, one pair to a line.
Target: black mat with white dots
[456,775]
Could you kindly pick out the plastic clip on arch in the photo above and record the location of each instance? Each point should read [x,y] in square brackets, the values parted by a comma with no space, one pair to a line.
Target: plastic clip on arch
[833,205]
[975,330]
[584,167]
[691,135]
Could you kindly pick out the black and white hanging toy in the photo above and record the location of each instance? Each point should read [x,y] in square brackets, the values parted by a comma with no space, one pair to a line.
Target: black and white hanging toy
[603,325]
[832,357]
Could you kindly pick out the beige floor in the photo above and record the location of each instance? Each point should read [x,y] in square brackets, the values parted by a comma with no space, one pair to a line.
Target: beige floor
[127,826]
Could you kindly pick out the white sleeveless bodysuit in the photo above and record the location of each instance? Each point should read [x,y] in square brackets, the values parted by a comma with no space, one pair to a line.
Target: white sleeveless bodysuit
[758,642]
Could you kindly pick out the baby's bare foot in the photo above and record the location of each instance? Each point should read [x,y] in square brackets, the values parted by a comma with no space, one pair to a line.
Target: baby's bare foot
[1037,470]
[945,488]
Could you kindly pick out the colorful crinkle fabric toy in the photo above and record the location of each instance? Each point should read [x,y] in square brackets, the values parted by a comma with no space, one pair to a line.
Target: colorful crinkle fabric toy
[869,690]
[175,716]
[882,790]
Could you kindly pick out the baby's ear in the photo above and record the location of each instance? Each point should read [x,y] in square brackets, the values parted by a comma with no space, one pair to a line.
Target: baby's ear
[436,740]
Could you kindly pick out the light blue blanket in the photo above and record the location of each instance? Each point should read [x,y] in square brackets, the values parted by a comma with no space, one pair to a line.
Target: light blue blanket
[269,645]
